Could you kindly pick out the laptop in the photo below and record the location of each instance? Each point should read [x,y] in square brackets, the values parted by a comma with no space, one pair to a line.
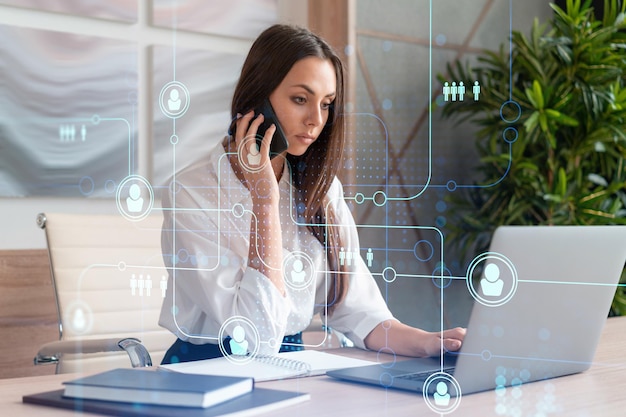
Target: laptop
[541,297]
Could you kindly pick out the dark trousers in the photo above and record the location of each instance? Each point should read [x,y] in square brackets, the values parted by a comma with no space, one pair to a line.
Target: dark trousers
[182,351]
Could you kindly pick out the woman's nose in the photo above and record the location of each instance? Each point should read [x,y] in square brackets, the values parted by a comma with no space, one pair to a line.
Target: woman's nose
[315,116]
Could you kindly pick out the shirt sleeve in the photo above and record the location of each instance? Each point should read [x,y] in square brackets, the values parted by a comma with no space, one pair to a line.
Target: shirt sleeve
[210,284]
[363,308]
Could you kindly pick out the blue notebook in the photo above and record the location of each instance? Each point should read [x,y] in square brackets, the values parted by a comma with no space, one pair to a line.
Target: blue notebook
[259,400]
[162,388]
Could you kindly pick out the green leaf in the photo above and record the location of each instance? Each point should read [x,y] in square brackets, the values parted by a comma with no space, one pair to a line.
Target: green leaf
[532,121]
[561,118]
[538,94]
[562,182]
[543,121]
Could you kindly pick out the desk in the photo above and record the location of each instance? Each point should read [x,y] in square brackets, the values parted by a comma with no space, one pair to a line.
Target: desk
[597,392]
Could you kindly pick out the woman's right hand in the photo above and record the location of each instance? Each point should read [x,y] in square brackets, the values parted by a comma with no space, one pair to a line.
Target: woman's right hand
[257,171]
[254,163]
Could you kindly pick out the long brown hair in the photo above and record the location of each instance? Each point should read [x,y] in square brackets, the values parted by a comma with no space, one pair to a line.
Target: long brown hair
[271,57]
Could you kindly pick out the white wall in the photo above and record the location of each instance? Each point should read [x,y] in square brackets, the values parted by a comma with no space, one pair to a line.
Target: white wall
[18,229]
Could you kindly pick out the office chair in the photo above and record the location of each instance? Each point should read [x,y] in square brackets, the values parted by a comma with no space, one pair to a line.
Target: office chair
[109,279]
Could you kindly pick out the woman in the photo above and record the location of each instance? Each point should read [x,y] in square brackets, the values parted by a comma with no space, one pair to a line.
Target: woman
[256,241]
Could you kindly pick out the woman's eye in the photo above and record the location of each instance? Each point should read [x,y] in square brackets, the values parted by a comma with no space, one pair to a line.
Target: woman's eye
[326,106]
[299,100]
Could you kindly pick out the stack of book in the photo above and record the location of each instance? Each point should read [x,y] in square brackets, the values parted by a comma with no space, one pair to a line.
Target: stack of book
[139,392]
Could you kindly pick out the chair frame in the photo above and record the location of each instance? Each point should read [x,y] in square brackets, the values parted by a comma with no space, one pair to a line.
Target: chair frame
[51,353]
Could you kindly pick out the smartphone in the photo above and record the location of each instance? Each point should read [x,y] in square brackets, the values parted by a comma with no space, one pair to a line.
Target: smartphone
[279,141]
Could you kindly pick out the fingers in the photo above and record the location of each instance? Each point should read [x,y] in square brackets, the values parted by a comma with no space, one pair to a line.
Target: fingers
[267,139]
[247,128]
[245,139]
[455,333]
[453,339]
[452,345]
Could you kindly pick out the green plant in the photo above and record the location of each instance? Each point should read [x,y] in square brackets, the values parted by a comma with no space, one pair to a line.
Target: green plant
[551,129]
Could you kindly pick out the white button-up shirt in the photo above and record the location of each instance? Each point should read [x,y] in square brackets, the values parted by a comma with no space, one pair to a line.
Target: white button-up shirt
[211,289]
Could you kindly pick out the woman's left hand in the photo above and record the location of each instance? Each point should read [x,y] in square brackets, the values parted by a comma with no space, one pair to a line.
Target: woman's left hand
[411,341]
[452,341]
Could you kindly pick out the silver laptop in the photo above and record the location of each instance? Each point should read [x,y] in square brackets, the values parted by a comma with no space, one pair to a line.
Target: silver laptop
[542,295]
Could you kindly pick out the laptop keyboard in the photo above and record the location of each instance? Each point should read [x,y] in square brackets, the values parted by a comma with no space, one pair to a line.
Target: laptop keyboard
[422,375]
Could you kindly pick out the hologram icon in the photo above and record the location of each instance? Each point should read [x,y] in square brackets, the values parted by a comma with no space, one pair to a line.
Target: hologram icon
[134,201]
[79,320]
[174,99]
[238,343]
[129,200]
[173,103]
[461,91]
[453,91]
[442,396]
[370,257]
[491,284]
[446,91]
[254,156]
[148,285]
[163,285]
[298,274]
[141,285]
[476,90]
[349,256]
[133,284]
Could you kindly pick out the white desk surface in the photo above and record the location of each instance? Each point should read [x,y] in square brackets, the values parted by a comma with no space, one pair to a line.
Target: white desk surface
[596,392]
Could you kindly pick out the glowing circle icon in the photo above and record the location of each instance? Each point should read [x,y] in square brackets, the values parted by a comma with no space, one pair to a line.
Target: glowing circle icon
[134,198]
[79,317]
[174,99]
[442,393]
[235,336]
[498,281]
[299,270]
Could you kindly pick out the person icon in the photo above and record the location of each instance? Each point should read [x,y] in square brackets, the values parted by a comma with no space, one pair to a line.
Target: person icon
[461,91]
[141,283]
[446,91]
[79,320]
[453,91]
[442,397]
[238,343]
[134,200]
[491,284]
[254,156]
[342,256]
[298,274]
[133,284]
[349,257]
[173,104]
[163,285]
[370,257]
[148,285]
[476,90]
[83,133]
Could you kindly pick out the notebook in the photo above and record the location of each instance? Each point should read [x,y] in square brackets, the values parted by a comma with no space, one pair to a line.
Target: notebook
[267,368]
[258,401]
[163,388]
[538,314]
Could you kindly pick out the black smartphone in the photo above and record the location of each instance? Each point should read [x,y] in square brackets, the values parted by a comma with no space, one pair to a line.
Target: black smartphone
[279,141]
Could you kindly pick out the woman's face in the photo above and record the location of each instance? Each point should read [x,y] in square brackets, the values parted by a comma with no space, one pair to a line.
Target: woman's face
[302,101]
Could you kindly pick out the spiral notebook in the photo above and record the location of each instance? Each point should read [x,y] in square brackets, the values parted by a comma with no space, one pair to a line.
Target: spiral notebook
[268,368]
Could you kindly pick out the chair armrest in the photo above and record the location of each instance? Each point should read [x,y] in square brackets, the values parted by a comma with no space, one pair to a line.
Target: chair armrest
[51,352]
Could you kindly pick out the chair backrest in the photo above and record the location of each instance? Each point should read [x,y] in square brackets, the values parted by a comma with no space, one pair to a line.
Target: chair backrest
[109,281]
